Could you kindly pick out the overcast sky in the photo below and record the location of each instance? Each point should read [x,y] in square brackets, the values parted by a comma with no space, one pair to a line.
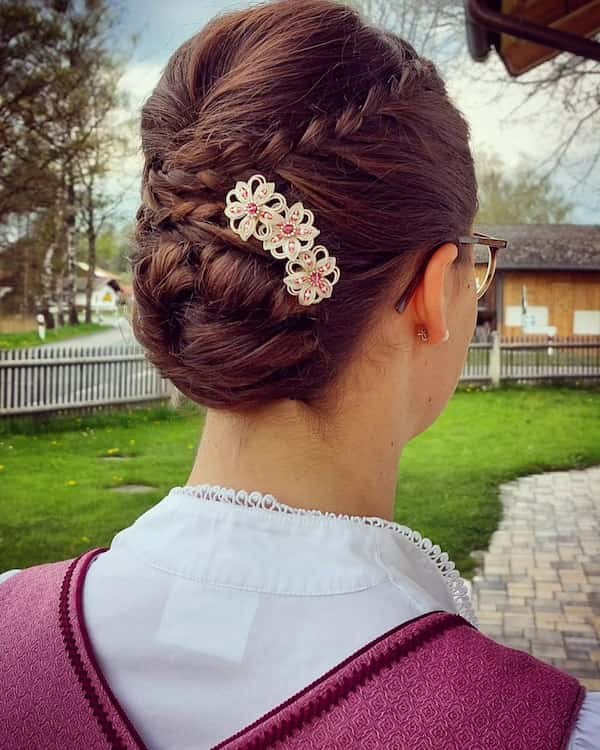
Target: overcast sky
[163,26]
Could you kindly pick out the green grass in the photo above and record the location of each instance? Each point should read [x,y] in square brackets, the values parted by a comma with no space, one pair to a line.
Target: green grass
[53,335]
[448,476]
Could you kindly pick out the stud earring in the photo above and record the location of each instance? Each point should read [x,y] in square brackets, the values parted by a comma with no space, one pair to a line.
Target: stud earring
[422,334]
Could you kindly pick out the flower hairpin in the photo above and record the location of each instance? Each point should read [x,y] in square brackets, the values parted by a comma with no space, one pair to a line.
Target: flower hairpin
[254,209]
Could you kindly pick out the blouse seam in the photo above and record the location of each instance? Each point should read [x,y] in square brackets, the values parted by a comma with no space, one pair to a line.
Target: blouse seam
[392,579]
[242,587]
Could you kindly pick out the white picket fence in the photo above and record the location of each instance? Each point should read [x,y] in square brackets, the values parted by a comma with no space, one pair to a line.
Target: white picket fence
[44,379]
[533,358]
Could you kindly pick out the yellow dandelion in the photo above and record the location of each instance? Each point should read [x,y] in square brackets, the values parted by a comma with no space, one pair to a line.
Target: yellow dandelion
[71,483]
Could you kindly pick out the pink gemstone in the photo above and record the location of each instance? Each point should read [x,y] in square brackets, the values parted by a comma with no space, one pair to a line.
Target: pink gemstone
[252,208]
[287,228]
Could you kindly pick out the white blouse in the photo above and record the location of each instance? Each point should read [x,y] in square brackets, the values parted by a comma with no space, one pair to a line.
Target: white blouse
[216,605]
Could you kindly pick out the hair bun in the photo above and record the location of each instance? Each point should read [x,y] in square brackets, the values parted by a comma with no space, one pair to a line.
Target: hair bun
[341,116]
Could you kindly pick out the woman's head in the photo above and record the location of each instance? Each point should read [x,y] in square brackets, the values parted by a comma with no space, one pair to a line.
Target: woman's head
[346,118]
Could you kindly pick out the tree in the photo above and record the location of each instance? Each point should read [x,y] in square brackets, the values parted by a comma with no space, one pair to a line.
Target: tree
[97,205]
[436,28]
[113,243]
[87,104]
[517,196]
[30,39]
[58,77]
[572,84]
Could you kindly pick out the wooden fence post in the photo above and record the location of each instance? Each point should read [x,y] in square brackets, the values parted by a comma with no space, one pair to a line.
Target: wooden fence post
[495,359]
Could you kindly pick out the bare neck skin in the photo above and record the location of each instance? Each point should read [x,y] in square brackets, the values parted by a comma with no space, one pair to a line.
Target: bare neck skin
[351,470]
[393,391]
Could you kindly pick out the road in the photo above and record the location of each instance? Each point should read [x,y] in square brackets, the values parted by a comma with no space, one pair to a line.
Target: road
[121,333]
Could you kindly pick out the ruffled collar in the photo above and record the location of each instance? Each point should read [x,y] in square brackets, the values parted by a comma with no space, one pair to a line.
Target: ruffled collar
[428,552]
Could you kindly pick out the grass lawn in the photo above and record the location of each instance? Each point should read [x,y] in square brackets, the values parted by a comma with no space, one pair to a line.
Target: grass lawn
[53,335]
[56,501]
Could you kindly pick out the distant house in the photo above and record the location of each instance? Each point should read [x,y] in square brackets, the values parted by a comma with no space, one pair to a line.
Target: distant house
[109,293]
[550,270]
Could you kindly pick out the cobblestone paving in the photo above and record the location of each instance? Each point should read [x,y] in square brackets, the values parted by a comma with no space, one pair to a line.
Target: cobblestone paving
[538,588]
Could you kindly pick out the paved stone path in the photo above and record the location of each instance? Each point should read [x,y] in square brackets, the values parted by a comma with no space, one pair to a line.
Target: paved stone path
[539,585]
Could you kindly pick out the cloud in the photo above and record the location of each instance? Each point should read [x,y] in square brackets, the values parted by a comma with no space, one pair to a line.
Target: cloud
[139,80]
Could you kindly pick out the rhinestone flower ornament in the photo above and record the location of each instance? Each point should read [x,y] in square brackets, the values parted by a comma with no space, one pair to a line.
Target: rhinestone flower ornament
[292,233]
[254,209]
[310,282]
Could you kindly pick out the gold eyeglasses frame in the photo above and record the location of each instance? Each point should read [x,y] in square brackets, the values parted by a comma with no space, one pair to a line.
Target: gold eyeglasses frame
[477,238]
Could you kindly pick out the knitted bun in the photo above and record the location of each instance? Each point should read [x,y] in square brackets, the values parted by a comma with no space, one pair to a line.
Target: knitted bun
[337,114]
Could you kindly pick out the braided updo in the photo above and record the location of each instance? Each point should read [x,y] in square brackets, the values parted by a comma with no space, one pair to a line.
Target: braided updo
[340,115]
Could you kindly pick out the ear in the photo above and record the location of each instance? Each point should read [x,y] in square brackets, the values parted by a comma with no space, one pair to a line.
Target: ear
[430,303]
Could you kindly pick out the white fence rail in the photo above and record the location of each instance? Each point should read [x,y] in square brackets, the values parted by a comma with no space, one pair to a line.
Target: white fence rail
[533,358]
[44,379]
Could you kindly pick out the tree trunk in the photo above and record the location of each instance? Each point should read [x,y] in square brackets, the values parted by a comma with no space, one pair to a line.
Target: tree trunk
[91,240]
[59,294]
[48,273]
[25,234]
[70,281]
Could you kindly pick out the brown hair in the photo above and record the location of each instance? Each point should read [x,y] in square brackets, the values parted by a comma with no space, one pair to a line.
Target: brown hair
[341,115]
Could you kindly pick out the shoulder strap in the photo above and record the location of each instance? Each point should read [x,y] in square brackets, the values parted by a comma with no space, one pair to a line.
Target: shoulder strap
[435,682]
[54,694]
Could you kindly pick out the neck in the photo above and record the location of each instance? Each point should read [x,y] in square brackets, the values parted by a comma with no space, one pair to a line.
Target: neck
[351,467]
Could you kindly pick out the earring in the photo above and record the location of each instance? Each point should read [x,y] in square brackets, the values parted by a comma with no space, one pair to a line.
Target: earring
[422,333]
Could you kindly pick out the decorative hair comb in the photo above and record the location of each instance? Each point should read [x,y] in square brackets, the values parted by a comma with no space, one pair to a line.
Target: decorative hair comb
[286,233]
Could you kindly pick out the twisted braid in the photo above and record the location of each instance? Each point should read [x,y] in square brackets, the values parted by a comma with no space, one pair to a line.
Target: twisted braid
[341,132]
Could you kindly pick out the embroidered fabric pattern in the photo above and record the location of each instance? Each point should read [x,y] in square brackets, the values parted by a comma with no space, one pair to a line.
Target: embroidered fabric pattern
[432,552]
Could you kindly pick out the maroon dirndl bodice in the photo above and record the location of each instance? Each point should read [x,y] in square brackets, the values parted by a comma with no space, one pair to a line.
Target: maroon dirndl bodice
[432,683]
